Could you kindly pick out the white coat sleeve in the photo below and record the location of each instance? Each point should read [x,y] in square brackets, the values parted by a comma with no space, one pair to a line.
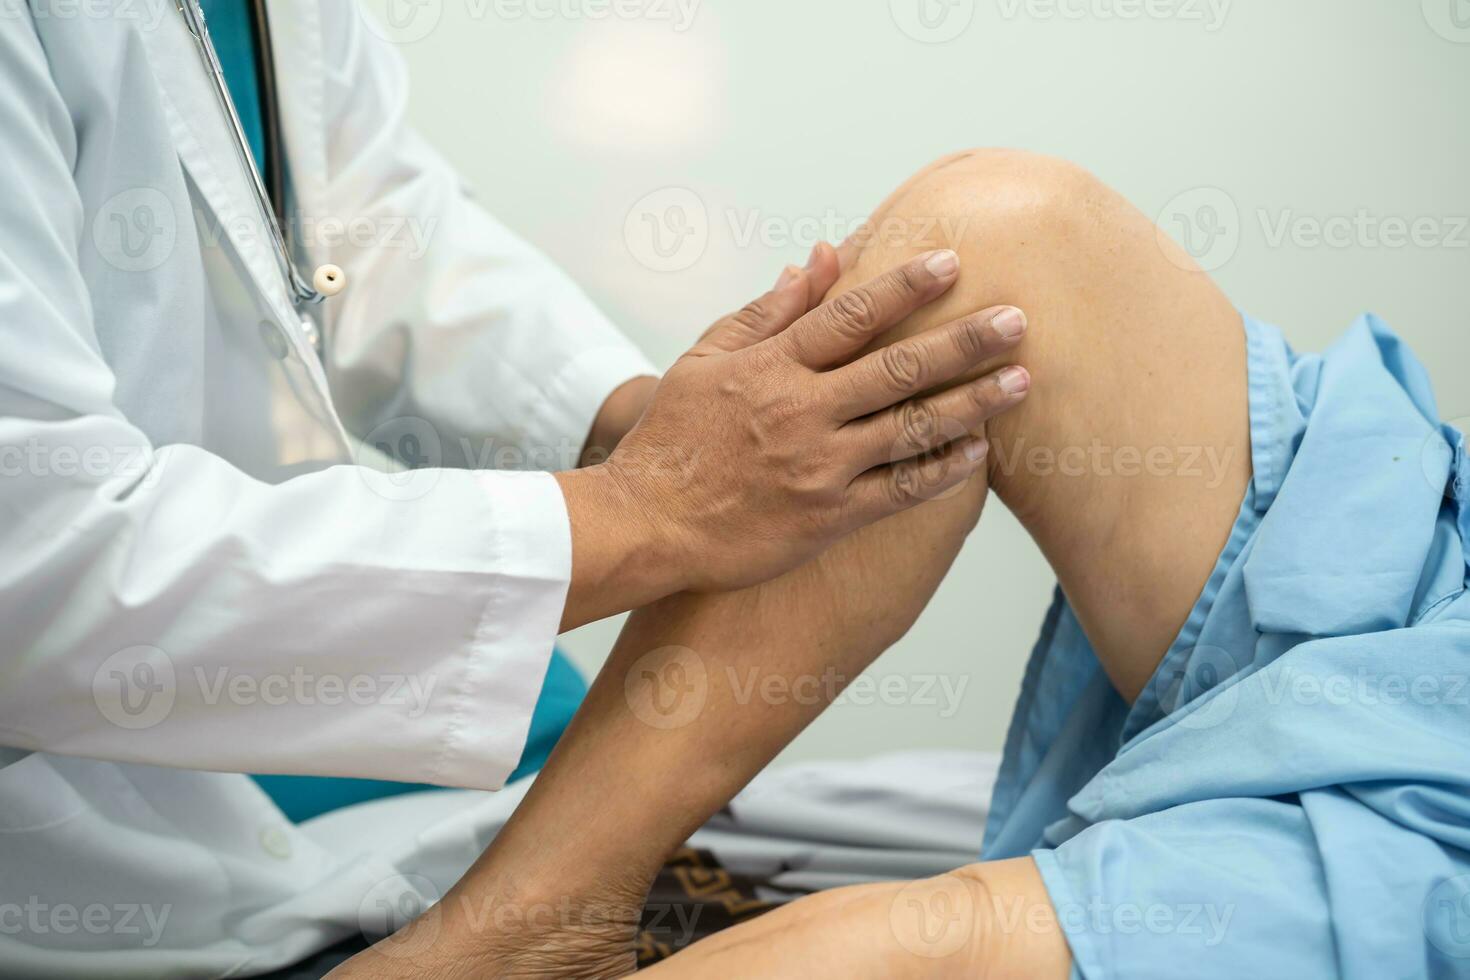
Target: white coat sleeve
[448,317]
[162,607]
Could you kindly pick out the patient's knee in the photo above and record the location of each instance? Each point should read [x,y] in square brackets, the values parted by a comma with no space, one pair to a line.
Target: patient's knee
[1021,223]
[1107,307]
[1015,182]
[988,199]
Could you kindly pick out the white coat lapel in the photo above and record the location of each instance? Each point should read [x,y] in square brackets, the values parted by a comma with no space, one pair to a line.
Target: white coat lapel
[208,151]
[296,40]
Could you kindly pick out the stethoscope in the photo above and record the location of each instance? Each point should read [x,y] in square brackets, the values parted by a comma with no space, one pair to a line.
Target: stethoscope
[327,280]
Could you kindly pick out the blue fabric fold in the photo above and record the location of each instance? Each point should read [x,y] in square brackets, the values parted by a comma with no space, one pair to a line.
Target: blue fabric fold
[1461,487]
[1368,448]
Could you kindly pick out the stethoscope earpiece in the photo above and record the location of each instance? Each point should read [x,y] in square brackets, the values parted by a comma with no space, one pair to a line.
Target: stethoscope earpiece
[329,280]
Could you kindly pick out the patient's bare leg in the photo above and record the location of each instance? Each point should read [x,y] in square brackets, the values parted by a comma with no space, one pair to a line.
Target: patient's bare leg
[1126,345]
[1127,464]
[1129,460]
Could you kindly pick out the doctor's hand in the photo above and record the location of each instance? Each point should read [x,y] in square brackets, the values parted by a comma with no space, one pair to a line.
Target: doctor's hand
[776,435]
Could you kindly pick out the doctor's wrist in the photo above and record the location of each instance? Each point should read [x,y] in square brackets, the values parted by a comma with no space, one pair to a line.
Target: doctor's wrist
[625,552]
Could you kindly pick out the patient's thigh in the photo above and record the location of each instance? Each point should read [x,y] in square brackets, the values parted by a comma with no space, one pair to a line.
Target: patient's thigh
[1129,460]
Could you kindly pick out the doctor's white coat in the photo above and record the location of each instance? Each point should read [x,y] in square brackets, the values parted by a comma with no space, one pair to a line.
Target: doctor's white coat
[200,567]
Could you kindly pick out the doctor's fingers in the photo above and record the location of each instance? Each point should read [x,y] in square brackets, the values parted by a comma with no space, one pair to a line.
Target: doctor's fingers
[796,292]
[889,490]
[842,327]
[923,425]
[917,364]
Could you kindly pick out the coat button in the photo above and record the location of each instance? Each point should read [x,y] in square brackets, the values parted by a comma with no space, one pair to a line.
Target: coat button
[275,842]
[275,340]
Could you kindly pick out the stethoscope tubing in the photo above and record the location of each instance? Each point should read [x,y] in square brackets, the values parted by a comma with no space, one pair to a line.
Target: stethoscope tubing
[303,294]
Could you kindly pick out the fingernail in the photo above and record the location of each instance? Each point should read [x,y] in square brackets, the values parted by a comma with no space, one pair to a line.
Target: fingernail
[1010,323]
[1013,380]
[811,260]
[788,276]
[943,264]
[976,450]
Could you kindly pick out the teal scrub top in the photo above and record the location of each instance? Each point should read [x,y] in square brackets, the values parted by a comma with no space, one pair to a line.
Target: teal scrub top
[234,45]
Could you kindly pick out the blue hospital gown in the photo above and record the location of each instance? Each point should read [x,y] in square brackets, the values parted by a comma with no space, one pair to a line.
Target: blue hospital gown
[1290,797]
